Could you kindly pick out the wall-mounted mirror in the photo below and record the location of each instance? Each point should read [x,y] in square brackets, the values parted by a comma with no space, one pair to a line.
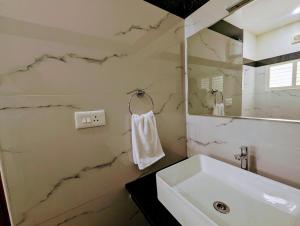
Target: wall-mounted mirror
[248,64]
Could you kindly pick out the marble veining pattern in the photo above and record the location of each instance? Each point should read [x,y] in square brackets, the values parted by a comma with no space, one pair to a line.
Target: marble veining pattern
[226,123]
[164,104]
[217,56]
[205,144]
[260,101]
[55,174]
[71,106]
[78,175]
[67,220]
[75,176]
[11,152]
[221,138]
[273,146]
[146,29]
[210,48]
[63,59]
[134,214]
[180,104]
[210,55]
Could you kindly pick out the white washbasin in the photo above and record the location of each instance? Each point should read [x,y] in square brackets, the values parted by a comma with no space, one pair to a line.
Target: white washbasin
[188,190]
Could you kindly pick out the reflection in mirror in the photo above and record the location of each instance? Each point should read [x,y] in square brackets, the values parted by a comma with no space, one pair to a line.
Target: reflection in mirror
[215,74]
[248,65]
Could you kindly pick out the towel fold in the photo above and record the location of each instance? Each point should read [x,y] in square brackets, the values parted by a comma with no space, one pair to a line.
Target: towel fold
[146,146]
[219,110]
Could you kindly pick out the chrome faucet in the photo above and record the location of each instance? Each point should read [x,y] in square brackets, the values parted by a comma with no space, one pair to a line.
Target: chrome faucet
[243,157]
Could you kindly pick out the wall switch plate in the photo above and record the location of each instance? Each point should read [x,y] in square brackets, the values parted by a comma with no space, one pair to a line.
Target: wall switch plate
[228,101]
[87,119]
[296,39]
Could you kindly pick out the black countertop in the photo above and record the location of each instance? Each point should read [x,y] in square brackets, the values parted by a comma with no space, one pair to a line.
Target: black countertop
[143,192]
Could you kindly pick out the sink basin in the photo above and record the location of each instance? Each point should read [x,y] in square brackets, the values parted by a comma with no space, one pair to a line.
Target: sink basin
[204,191]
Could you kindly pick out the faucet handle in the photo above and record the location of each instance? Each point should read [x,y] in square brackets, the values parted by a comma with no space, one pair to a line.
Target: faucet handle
[237,156]
[243,157]
[244,150]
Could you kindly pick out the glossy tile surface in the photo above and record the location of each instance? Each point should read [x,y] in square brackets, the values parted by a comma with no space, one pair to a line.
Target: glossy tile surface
[214,62]
[190,188]
[53,65]
[274,145]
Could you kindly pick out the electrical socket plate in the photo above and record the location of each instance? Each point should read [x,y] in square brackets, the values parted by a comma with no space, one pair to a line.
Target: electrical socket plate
[228,101]
[296,39]
[87,119]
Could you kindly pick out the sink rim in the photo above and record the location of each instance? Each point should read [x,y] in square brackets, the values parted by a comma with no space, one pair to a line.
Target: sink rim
[252,174]
[280,187]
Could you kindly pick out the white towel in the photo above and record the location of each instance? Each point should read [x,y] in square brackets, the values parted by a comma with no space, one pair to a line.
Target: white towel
[219,110]
[146,147]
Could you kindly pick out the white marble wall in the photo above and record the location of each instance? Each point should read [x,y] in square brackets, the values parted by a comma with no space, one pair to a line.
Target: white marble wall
[274,146]
[55,174]
[211,54]
[262,102]
[248,90]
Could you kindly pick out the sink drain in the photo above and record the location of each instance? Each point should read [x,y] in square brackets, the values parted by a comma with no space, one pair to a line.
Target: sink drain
[221,207]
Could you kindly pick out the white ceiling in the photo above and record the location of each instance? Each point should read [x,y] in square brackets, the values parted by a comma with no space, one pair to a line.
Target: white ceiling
[261,16]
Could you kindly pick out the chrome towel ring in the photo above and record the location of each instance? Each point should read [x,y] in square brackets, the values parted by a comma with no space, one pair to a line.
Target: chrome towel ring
[138,93]
[216,92]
